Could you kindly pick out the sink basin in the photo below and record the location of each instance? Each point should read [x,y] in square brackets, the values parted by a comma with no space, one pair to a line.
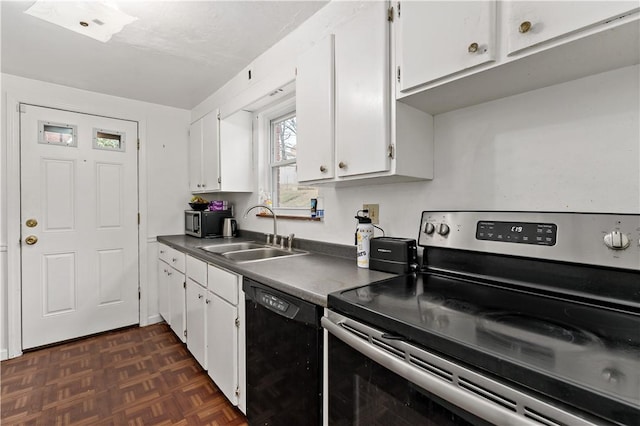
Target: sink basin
[258,254]
[224,248]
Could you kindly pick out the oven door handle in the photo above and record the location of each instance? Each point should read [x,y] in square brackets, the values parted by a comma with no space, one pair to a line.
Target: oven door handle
[449,391]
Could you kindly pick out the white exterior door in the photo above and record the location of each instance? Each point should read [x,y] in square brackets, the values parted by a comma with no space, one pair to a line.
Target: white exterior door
[79,226]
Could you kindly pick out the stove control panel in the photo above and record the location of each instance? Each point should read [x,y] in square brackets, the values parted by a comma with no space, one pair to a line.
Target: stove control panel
[543,234]
[591,238]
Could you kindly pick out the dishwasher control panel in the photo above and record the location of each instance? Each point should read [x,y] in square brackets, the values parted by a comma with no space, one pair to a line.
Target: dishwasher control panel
[273,302]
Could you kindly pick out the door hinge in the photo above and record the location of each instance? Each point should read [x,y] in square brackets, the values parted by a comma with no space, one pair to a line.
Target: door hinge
[184,284]
[237,322]
[391,151]
[398,74]
[139,295]
[138,218]
[218,115]
[220,180]
[138,144]
[390,14]
[237,391]
[398,9]
[185,334]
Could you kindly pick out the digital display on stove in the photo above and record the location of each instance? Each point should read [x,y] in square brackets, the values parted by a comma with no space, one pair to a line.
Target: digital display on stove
[543,234]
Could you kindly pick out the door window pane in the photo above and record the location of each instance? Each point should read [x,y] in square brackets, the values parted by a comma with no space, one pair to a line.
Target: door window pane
[57,134]
[108,140]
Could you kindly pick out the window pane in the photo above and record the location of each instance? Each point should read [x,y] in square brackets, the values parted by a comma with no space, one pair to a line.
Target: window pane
[57,134]
[283,144]
[288,193]
[109,140]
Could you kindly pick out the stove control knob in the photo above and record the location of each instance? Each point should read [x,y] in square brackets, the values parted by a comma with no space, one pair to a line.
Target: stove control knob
[616,240]
[443,229]
[429,228]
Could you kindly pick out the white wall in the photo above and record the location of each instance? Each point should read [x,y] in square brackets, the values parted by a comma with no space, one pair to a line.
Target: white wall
[569,147]
[163,171]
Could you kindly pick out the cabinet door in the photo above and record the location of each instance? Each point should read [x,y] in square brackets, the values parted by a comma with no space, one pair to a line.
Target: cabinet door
[195,301]
[222,345]
[236,152]
[362,92]
[177,303]
[195,156]
[163,291]
[314,112]
[530,23]
[210,152]
[439,38]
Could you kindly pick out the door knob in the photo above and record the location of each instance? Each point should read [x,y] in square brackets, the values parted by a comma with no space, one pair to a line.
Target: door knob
[31,240]
[31,223]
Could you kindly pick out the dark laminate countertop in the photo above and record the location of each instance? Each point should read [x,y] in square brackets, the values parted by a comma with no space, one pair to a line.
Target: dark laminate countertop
[311,277]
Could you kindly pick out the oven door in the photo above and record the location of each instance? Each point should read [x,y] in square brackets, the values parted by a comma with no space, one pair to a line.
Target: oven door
[376,379]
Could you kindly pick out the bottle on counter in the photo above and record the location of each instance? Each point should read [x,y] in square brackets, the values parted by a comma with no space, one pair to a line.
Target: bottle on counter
[364,233]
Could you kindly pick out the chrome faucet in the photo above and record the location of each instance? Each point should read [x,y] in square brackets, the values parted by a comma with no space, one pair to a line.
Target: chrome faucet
[275,224]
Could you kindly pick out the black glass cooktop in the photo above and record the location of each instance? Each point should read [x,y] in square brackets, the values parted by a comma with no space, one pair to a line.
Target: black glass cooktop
[574,352]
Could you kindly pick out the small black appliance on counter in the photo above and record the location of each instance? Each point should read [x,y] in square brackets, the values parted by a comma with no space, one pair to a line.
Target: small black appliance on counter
[395,255]
[205,224]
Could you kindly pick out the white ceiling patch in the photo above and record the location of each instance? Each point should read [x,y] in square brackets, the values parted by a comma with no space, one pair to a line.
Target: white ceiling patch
[98,20]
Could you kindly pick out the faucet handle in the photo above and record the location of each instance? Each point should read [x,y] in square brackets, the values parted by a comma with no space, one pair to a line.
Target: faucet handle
[290,241]
[268,238]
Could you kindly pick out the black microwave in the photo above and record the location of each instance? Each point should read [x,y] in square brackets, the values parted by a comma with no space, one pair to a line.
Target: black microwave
[205,224]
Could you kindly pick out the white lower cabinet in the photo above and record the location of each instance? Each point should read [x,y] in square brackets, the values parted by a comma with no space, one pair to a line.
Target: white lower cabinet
[163,291]
[225,339]
[171,288]
[204,305]
[196,296]
[222,348]
[177,304]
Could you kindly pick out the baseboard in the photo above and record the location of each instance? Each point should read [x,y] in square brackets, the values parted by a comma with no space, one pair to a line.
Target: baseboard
[4,355]
[154,319]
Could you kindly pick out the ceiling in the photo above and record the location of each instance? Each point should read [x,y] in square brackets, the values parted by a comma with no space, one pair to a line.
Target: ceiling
[177,53]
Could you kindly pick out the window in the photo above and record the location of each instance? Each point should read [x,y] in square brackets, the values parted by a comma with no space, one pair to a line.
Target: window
[109,140]
[57,134]
[286,192]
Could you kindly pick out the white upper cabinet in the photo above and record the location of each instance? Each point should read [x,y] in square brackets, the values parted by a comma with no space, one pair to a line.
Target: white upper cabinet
[220,153]
[443,65]
[315,113]
[362,93]
[440,38]
[236,153]
[530,23]
[203,154]
[349,129]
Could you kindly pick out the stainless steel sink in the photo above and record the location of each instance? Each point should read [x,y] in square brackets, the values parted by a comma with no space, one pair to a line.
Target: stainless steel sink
[258,254]
[250,251]
[224,248]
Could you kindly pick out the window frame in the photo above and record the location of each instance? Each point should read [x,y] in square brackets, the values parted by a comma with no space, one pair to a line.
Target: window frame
[275,112]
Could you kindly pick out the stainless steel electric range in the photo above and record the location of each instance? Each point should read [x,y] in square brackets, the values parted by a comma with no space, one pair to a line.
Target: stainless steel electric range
[514,318]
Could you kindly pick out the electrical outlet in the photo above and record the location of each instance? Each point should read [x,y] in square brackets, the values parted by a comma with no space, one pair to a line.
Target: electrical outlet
[374,212]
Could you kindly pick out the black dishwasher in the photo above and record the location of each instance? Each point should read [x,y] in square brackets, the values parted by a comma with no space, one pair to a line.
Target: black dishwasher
[284,358]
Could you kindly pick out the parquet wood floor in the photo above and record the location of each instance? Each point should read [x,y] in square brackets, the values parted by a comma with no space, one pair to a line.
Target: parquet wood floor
[136,376]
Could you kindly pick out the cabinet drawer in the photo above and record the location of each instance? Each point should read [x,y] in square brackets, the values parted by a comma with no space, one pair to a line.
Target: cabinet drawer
[197,270]
[174,258]
[224,284]
[164,252]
